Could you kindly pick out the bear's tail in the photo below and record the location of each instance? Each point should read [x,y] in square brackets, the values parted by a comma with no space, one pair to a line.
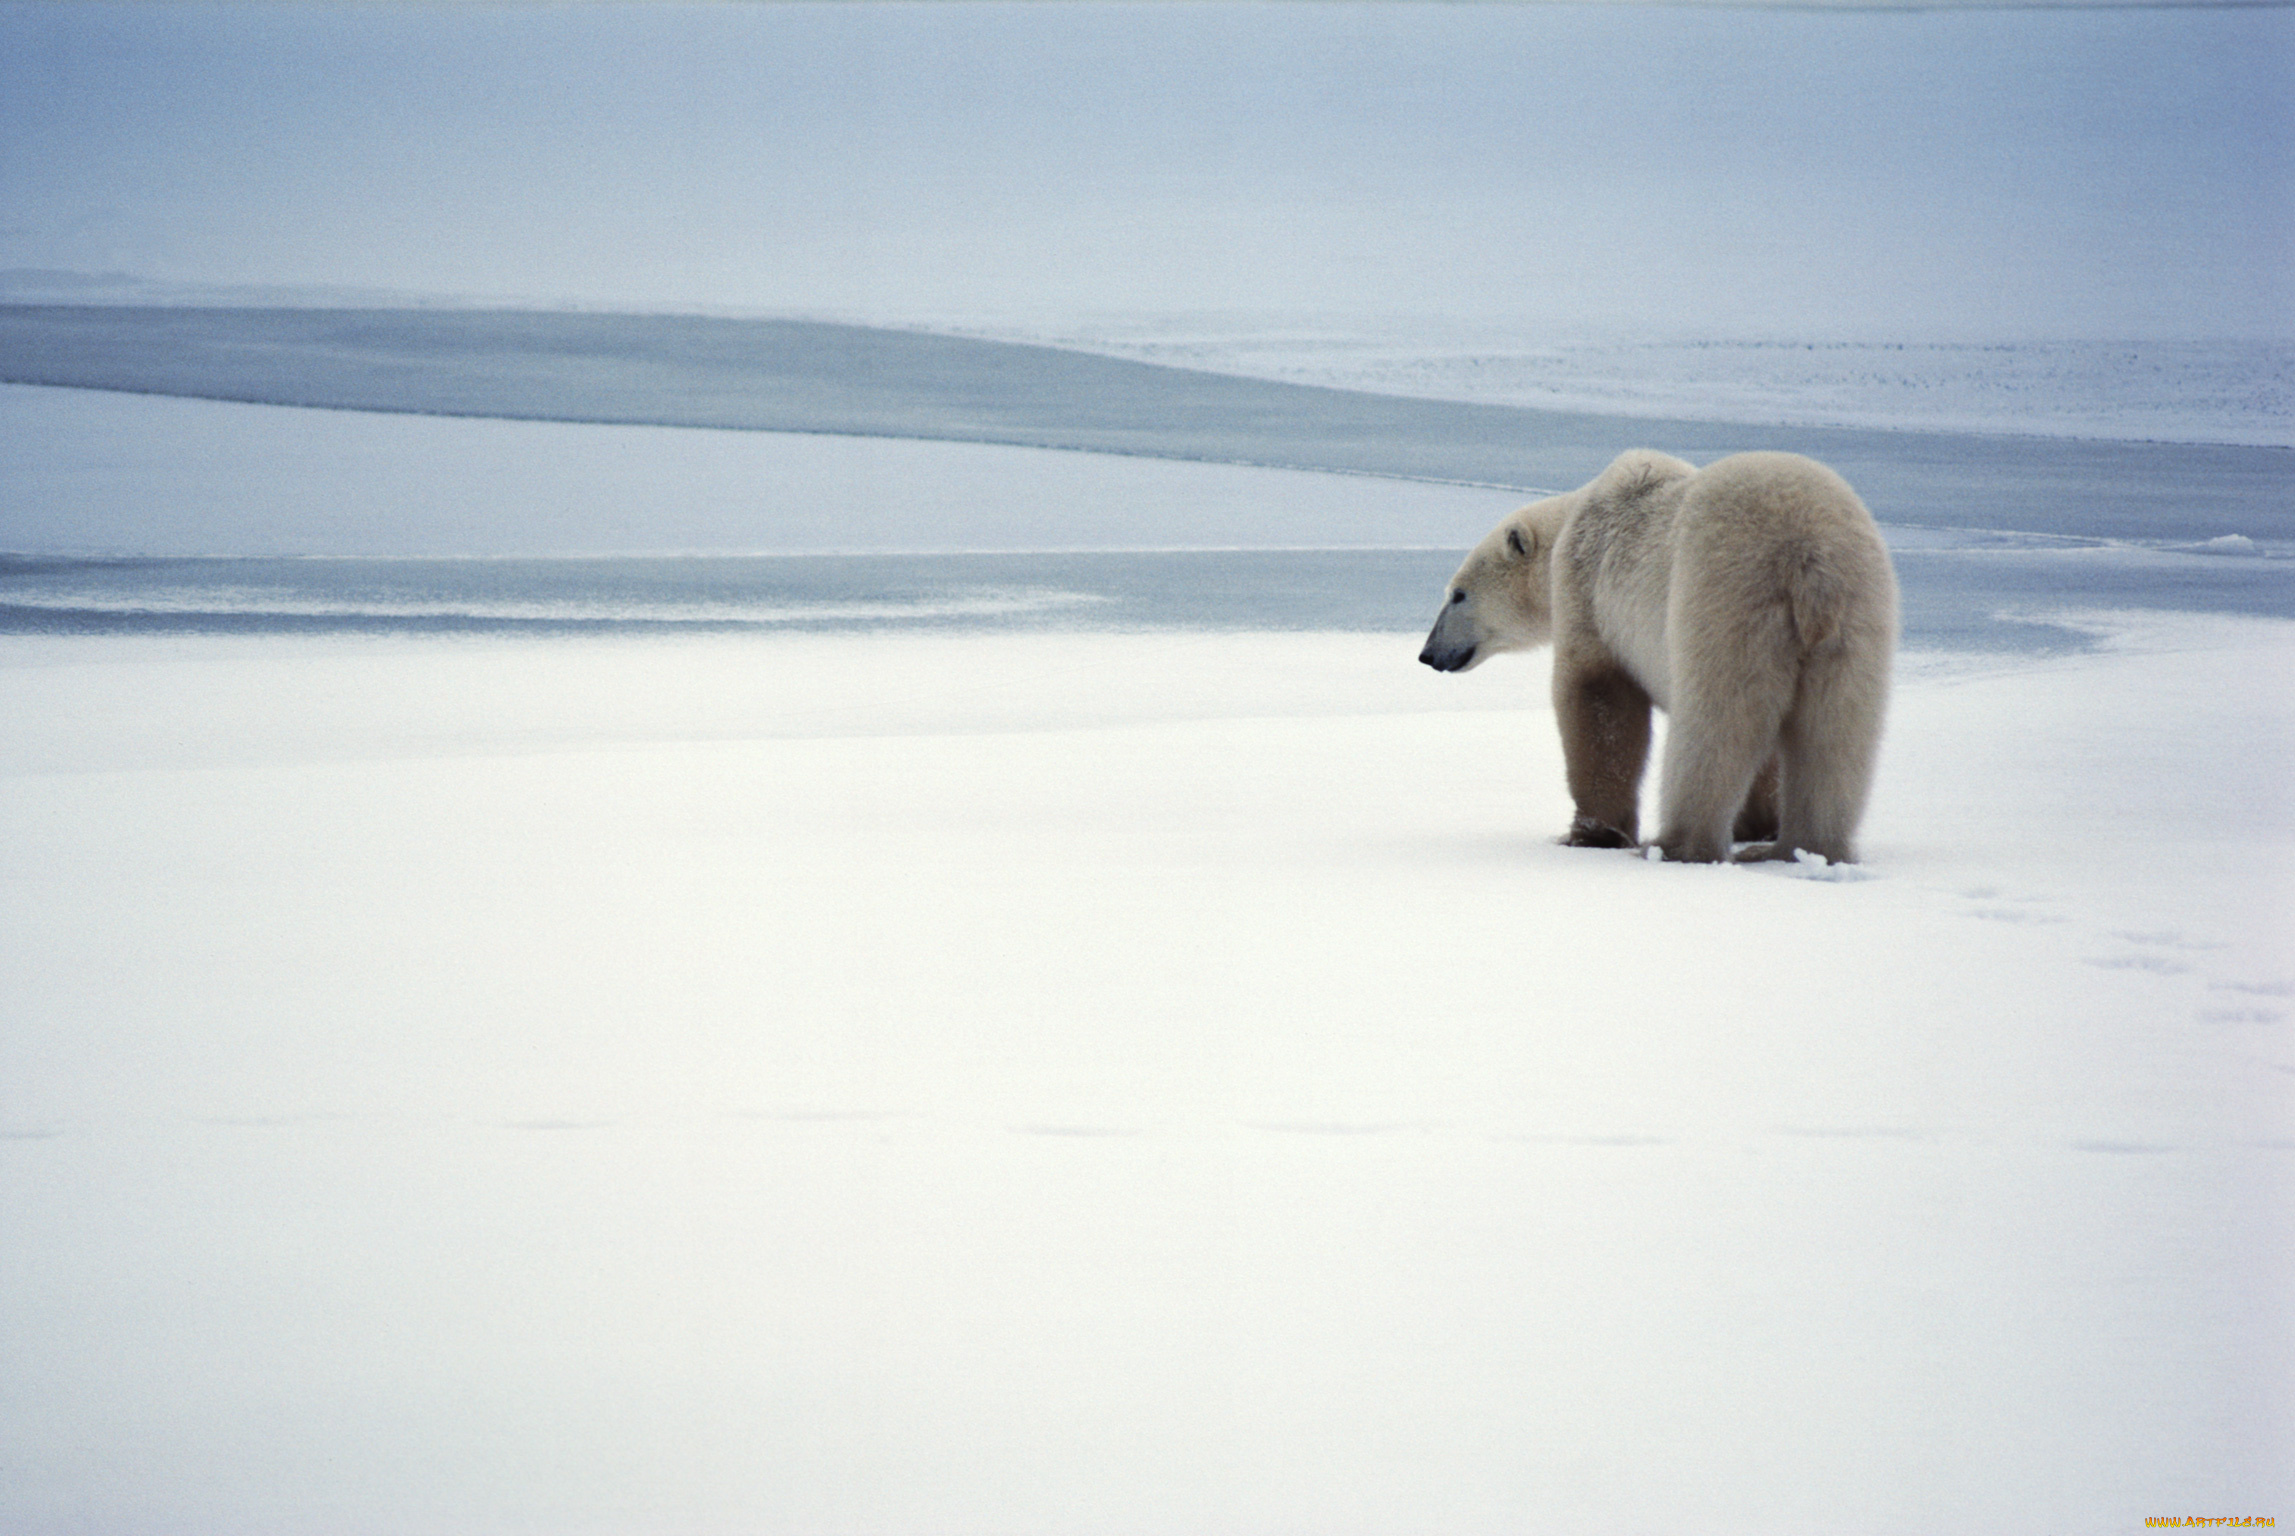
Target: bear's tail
[1827,590]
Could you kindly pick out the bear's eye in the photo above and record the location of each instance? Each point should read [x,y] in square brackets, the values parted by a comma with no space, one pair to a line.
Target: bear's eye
[1459,596]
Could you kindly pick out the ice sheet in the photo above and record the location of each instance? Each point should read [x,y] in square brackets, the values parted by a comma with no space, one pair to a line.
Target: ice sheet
[792,376]
[2143,390]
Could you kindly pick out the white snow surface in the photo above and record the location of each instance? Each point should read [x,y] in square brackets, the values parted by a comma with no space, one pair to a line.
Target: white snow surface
[1103,1083]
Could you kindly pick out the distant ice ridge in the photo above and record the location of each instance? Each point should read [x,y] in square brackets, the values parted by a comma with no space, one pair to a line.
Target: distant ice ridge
[2240,392]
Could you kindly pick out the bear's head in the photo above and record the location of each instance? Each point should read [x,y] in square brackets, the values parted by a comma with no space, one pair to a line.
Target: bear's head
[1502,597]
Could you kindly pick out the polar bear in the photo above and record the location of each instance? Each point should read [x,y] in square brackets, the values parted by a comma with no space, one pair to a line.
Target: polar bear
[1751,600]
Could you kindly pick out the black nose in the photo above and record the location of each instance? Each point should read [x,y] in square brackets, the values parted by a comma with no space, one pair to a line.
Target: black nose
[1446,658]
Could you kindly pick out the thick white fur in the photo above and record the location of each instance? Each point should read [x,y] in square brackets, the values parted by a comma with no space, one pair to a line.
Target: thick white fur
[1752,600]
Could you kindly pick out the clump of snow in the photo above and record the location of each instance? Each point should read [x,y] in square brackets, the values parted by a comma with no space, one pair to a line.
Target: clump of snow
[1815,866]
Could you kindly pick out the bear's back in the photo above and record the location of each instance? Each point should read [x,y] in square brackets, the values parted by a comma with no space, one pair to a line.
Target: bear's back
[1763,496]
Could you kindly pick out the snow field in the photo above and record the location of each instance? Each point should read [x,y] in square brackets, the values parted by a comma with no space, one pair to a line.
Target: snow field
[1122,1083]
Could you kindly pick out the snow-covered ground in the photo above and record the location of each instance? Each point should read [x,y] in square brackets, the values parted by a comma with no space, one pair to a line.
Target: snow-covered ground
[1124,1083]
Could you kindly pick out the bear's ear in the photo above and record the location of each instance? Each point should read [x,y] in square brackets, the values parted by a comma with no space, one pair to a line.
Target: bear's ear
[1523,544]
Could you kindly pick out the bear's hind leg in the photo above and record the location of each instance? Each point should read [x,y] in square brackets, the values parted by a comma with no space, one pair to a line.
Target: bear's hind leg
[1710,766]
[1830,742]
[1757,817]
[1721,737]
[1604,718]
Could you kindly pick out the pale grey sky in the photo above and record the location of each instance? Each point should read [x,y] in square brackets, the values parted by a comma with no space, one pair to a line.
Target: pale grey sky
[1966,173]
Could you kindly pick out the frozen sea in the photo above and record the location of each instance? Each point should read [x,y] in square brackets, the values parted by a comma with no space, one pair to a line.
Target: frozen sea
[180,469]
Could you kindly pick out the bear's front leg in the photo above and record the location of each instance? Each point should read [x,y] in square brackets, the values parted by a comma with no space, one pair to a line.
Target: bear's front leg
[1604,717]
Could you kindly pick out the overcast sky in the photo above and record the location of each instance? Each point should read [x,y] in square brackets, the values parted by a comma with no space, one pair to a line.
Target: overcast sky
[1677,170]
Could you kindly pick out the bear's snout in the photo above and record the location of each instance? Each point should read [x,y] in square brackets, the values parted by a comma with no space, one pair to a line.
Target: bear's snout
[1446,656]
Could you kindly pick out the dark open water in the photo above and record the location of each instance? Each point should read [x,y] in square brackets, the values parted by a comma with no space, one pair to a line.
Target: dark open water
[1961,591]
